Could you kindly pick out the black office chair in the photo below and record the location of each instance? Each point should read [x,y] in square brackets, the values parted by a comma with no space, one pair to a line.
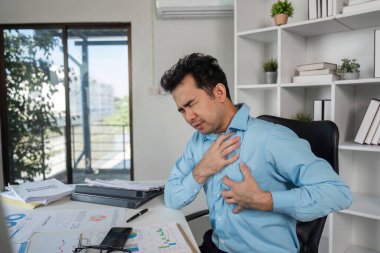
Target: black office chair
[323,137]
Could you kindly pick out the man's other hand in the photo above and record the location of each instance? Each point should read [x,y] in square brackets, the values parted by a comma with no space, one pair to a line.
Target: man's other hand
[247,193]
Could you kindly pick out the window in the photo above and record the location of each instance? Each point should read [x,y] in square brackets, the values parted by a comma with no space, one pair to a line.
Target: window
[67,96]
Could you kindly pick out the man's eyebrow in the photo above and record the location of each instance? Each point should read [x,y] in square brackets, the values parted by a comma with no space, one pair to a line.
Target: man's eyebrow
[185,105]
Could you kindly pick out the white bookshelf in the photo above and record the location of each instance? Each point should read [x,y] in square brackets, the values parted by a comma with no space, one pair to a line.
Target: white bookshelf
[303,41]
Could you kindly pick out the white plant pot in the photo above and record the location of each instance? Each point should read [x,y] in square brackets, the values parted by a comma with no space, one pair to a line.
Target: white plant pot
[270,77]
[350,76]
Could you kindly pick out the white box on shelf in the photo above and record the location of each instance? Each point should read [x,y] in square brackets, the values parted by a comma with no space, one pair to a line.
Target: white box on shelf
[326,109]
[377,53]
[318,112]
[313,9]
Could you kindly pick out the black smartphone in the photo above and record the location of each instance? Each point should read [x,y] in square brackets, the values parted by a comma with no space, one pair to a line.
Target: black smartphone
[116,237]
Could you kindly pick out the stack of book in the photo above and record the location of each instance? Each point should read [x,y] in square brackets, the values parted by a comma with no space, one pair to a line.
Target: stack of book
[361,5]
[369,130]
[316,73]
[33,194]
[320,8]
[119,193]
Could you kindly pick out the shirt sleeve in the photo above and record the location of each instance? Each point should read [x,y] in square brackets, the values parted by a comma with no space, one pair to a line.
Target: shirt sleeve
[181,188]
[314,190]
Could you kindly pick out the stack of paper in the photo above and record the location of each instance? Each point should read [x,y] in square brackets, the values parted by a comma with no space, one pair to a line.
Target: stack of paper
[126,184]
[122,193]
[43,192]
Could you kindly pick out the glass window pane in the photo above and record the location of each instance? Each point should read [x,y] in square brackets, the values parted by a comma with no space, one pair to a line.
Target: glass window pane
[99,103]
[35,104]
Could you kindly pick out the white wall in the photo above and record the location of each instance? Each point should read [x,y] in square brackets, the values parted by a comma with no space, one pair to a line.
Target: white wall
[159,131]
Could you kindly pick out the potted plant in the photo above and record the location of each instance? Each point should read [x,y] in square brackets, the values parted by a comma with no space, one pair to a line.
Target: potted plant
[349,69]
[270,68]
[281,10]
[303,116]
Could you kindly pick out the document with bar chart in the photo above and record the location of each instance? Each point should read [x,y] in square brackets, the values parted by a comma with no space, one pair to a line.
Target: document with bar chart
[160,238]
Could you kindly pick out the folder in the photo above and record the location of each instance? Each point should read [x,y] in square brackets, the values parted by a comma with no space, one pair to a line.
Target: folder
[114,192]
[129,202]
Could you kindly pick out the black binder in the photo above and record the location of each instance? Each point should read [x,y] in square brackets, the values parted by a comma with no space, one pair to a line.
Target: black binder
[115,192]
[128,202]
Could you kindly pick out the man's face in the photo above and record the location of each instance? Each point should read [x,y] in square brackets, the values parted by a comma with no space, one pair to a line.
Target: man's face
[202,112]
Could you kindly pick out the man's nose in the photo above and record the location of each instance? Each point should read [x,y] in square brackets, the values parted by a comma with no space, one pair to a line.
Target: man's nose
[190,115]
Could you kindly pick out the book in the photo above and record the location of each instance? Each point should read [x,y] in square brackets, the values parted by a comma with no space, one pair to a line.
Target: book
[367,121]
[326,106]
[373,128]
[114,192]
[361,7]
[318,112]
[318,65]
[319,8]
[324,8]
[317,72]
[330,8]
[112,201]
[313,9]
[376,137]
[315,79]
[377,53]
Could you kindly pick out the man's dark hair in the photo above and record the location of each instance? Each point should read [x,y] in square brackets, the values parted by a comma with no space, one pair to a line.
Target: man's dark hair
[204,69]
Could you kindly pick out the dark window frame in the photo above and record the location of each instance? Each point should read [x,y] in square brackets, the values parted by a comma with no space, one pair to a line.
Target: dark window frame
[3,89]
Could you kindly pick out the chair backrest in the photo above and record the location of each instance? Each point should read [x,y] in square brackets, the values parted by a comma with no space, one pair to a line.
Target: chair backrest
[323,137]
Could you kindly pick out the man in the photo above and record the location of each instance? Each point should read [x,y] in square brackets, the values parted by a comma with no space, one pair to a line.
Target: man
[259,177]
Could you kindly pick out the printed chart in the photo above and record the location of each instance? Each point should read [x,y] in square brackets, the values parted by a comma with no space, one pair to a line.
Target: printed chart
[161,238]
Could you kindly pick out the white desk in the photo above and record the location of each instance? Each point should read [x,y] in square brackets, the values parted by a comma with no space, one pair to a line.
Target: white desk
[157,213]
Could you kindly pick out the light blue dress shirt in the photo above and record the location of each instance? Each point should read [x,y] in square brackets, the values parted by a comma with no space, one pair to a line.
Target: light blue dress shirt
[303,186]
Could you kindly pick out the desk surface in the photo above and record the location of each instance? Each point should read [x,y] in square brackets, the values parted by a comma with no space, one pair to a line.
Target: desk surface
[157,213]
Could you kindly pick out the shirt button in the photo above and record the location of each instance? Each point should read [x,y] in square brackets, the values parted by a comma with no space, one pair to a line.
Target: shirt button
[195,190]
[219,219]
[222,241]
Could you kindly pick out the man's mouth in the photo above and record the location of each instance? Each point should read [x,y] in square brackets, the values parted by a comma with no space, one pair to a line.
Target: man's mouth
[197,126]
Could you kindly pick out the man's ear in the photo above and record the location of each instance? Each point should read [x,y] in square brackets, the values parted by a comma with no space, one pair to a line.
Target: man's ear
[220,92]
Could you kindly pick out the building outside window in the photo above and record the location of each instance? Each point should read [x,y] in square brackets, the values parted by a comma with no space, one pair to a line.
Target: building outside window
[67,95]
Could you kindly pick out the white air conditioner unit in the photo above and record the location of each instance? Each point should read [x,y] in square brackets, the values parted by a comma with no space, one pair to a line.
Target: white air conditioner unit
[194,8]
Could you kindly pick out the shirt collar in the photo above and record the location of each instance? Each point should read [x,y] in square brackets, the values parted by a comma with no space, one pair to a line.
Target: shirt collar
[238,122]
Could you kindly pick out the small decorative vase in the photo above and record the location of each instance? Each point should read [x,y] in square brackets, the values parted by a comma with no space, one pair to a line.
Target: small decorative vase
[280,19]
[270,77]
[350,76]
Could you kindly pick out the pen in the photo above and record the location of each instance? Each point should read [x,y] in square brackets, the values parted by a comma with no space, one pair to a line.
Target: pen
[137,214]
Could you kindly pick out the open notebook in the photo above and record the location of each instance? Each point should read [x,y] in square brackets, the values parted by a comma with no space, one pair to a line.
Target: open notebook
[4,238]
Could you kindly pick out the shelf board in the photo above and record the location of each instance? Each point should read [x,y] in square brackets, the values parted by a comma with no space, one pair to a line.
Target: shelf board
[297,85]
[316,27]
[256,86]
[360,19]
[266,35]
[364,205]
[358,147]
[358,249]
[358,81]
